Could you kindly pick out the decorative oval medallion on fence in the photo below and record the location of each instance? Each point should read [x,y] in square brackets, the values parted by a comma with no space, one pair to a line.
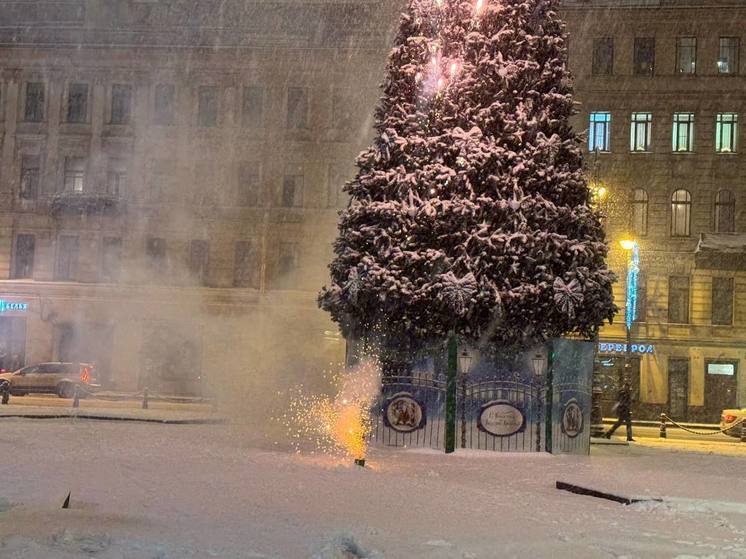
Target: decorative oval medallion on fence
[403,413]
[501,419]
[572,419]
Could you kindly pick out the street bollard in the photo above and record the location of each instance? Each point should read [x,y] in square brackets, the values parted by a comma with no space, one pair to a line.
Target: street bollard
[663,426]
[76,397]
[6,393]
[145,399]
[743,431]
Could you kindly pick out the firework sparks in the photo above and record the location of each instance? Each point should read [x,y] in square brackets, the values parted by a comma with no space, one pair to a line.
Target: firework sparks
[340,424]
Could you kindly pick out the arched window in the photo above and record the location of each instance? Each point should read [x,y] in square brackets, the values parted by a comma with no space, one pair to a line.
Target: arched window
[681,213]
[639,201]
[725,212]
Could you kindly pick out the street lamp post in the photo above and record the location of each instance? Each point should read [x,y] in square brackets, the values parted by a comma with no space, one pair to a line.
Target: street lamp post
[539,365]
[464,362]
[630,311]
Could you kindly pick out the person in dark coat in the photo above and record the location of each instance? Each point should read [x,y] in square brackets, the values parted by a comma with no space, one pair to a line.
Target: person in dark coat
[624,411]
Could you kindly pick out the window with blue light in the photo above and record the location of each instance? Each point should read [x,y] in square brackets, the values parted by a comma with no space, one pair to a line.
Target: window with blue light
[599,133]
[726,132]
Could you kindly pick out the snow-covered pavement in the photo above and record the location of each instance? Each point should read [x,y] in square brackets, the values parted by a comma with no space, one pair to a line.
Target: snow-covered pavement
[197,491]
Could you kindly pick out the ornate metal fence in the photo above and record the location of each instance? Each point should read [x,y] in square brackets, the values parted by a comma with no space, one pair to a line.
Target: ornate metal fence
[492,414]
[494,411]
[411,412]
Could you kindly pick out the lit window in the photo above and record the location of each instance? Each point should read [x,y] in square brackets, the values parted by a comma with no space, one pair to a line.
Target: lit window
[728,59]
[599,133]
[641,132]
[686,55]
[726,132]
[681,213]
[683,132]
[74,174]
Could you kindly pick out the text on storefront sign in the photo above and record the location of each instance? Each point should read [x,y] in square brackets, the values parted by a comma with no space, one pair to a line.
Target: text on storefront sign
[6,306]
[622,348]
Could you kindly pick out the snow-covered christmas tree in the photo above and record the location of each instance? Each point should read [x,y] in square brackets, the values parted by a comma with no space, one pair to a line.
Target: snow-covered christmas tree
[471,211]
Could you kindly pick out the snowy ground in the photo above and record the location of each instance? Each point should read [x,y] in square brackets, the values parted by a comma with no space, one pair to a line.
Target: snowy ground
[199,491]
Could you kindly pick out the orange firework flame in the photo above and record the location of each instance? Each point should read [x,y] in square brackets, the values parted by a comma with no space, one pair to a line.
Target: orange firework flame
[338,424]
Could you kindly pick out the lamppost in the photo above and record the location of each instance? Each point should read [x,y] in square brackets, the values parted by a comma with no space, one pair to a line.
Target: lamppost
[539,365]
[464,363]
[630,309]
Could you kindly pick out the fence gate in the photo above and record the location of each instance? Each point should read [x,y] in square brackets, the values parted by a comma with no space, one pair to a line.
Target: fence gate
[492,412]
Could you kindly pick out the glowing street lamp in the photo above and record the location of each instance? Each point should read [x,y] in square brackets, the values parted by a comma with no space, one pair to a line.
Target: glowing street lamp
[630,311]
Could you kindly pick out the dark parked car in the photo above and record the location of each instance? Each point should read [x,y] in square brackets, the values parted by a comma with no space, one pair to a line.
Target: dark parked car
[52,378]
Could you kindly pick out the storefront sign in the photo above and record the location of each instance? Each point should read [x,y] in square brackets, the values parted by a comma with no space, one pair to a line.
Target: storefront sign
[622,348]
[403,413]
[572,419]
[721,369]
[501,419]
[7,306]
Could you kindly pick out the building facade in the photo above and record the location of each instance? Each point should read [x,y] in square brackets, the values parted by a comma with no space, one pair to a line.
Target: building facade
[171,173]
[663,96]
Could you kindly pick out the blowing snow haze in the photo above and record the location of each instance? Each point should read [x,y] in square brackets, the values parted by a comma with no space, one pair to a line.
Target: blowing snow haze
[172,173]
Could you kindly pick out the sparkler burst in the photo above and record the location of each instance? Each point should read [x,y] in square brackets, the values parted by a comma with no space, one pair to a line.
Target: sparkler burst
[340,424]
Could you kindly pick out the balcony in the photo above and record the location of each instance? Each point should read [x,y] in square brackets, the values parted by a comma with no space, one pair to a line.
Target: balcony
[84,203]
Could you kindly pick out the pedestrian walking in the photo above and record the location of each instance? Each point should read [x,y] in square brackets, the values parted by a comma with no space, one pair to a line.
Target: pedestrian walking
[624,411]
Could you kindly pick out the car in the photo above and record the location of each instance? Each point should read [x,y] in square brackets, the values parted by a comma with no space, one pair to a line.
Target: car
[729,418]
[52,378]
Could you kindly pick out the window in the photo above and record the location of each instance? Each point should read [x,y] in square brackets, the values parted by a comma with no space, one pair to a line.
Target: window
[729,55]
[288,260]
[248,184]
[30,172]
[644,56]
[292,191]
[208,106]
[35,102]
[77,102]
[155,249]
[163,110]
[121,99]
[252,109]
[245,270]
[297,115]
[199,254]
[639,212]
[599,135]
[642,297]
[725,212]
[726,132]
[683,132]
[603,56]
[74,174]
[67,258]
[678,299]
[23,263]
[681,211]
[111,259]
[686,55]
[116,178]
[641,132]
[722,301]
